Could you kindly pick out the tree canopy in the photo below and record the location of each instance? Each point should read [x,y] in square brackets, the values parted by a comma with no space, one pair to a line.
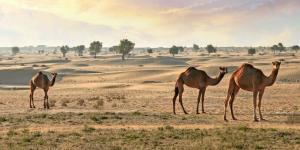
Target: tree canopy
[174,50]
[251,51]
[15,50]
[64,49]
[95,48]
[196,47]
[125,47]
[211,49]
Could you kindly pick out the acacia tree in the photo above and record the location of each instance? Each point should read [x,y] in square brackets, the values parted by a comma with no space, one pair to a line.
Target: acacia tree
[125,47]
[196,47]
[95,48]
[150,50]
[174,50]
[274,48]
[281,47]
[15,50]
[64,50]
[79,49]
[181,49]
[211,49]
[251,51]
[295,48]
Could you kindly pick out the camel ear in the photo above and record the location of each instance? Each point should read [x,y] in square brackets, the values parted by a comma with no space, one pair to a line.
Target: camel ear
[273,63]
[221,68]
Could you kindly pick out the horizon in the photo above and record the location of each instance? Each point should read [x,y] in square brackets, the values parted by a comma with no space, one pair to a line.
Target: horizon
[154,23]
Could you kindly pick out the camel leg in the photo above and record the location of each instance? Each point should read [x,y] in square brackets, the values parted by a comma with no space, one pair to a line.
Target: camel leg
[202,99]
[174,98]
[198,101]
[46,104]
[261,93]
[254,104]
[229,93]
[32,89]
[234,93]
[181,89]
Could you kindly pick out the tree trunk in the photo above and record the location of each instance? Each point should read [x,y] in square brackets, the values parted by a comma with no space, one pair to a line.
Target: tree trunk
[64,54]
[123,56]
[95,55]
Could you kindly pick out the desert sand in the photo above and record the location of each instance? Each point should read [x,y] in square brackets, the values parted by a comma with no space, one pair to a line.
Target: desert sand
[142,85]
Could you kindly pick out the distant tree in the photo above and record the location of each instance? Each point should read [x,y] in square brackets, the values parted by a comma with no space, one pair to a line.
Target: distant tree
[211,49]
[15,50]
[251,51]
[64,50]
[196,47]
[114,49]
[79,49]
[281,47]
[125,47]
[174,50]
[295,48]
[150,50]
[181,49]
[95,48]
[274,48]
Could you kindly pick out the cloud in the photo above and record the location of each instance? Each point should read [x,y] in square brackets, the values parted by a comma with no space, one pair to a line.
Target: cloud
[151,22]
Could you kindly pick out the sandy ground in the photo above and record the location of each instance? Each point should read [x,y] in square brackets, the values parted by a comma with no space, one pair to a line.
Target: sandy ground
[145,83]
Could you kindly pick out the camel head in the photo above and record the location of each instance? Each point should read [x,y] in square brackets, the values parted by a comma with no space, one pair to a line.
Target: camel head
[54,73]
[223,70]
[276,64]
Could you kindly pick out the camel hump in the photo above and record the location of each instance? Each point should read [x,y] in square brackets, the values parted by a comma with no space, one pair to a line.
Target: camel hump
[191,68]
[247,65]
[40,72]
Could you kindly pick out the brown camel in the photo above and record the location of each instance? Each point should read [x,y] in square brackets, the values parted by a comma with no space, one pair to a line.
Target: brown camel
[41,80]
[251,79]
[198,79]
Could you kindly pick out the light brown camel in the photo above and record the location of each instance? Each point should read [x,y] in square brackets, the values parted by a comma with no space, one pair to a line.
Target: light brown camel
[198,79]
[41,80]
[251,79]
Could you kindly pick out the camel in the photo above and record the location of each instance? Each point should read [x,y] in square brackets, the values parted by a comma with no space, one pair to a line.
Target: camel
[250,79]
[198,79]
[41,80]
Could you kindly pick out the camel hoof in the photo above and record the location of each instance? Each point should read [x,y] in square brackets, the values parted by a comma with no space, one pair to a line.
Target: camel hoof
[256,120]
[203,112]
[262,119]
[225,120]
[234,119]
[186,113]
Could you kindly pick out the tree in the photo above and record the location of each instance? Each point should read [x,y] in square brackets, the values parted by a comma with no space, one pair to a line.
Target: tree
[181,49]
[281,47]
[64,50]
[295,48]
[114,48]
[95,48]
[274,48]
[211,49]
[125,47]
[251,51]
[174,50]
[196,47]
[79,49]
[150,50]
[15,50]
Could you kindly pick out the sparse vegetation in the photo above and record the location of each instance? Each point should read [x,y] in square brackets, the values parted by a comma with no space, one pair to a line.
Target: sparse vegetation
[196,47]
[150,50]
[295,48]
[79,49]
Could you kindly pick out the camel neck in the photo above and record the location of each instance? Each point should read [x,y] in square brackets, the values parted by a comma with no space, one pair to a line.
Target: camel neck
[269,81]
[215,81]
[53,80]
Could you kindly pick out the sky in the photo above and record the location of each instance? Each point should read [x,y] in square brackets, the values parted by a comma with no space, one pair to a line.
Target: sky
[149,23]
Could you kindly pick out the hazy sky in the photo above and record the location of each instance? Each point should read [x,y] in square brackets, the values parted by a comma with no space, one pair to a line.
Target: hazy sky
[150,22]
